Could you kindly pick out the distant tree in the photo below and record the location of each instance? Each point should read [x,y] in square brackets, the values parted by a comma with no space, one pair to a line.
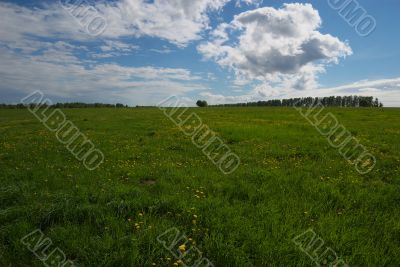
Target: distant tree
[201,103]
[376,103]
[119,105]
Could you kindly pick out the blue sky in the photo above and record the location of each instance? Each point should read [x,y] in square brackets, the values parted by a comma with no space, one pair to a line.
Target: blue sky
[219,50]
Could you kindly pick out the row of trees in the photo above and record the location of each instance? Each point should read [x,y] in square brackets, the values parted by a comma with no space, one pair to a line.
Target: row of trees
[331,101]
[66,105]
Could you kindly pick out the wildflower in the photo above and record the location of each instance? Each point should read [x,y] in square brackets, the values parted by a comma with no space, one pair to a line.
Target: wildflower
[182,248]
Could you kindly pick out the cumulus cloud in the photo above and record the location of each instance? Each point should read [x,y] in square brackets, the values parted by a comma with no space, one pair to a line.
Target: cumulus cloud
[177,21]
[278,45]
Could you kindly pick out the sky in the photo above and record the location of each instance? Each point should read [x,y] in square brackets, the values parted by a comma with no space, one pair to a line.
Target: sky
[139,52]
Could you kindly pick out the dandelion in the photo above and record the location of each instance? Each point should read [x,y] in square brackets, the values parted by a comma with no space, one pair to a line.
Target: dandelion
[182,248]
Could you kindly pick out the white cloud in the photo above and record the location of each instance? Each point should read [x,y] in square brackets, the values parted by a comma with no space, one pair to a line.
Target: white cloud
[249,2]
[177,21]
[19,23]
[163,50]
[112,48]
[117,46]
[279,45]
[38,51]
[75,80]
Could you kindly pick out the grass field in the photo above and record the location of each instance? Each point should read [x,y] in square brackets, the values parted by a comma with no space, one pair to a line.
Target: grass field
[153,178]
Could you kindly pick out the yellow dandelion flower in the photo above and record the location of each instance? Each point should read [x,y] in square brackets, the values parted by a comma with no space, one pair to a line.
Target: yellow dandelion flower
[182,248]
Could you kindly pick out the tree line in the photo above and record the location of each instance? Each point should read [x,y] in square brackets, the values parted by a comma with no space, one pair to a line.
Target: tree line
[331,101]
[64,105]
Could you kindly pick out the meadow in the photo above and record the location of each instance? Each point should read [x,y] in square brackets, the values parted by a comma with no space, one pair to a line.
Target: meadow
[153,179]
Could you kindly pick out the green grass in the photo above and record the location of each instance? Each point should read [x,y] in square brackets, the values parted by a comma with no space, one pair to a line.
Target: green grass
[290,180]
